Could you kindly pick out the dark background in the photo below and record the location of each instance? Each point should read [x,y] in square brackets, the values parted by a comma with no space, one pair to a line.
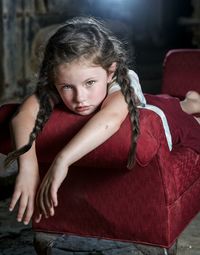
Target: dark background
[152,27]
[149,27]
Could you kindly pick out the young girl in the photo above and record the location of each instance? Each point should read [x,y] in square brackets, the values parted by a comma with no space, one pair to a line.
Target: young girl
[86,68]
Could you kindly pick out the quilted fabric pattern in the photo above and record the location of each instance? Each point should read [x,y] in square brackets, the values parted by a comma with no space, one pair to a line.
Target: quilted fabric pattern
[180,169]
[186,168]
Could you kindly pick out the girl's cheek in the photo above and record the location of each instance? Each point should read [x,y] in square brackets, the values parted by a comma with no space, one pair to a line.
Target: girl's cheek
[65,94]
[68,99]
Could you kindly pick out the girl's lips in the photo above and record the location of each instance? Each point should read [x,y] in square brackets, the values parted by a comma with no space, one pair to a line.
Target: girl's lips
[82,108]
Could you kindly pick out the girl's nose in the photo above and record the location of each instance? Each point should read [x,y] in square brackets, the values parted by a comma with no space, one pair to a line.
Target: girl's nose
[80,96]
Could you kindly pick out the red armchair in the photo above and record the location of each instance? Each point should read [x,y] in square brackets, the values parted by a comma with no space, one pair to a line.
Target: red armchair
[150,204]
[181,72]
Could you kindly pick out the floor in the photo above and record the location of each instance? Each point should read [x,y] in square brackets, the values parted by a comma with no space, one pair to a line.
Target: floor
[16,238]
[189,241]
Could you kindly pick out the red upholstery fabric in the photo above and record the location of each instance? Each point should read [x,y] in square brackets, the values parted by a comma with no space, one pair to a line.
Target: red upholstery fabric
[181,72]
[184,128]
[100,197]
[150,204]
[66,124]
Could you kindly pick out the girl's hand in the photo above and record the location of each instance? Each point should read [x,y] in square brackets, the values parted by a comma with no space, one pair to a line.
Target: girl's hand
[26,185]
[47,194]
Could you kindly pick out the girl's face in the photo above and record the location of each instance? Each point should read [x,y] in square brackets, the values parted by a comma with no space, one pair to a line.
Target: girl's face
[82,86]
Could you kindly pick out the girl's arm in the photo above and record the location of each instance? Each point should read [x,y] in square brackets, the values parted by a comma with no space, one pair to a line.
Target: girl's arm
[98,129]
[28,177]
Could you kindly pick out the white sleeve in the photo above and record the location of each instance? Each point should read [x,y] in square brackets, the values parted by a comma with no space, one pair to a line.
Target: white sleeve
[135,84]
[113,87]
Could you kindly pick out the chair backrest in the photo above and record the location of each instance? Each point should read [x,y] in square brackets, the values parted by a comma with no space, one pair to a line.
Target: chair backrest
[181,72]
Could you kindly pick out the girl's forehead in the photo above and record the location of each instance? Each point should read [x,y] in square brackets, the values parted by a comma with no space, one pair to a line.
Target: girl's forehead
[77,70]
[79,63]
[78,66]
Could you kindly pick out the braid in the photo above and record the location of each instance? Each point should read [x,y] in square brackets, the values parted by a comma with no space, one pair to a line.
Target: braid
[42,117]
[45,110]
[131,100]
[81,39]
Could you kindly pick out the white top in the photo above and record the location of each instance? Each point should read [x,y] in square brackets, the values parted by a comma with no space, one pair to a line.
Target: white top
[135,84]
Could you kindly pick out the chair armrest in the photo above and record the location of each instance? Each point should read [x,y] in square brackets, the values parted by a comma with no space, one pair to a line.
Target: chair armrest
[63,125]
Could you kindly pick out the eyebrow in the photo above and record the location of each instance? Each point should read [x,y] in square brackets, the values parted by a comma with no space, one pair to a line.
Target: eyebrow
[62,84]
[65,83]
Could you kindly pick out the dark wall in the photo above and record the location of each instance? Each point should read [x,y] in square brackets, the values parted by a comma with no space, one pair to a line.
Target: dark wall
[151,27]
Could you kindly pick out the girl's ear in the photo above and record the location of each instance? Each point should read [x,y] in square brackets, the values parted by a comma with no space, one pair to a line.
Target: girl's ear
[111,71]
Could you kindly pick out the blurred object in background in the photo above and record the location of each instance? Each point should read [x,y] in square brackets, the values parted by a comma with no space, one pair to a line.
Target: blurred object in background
[152,27]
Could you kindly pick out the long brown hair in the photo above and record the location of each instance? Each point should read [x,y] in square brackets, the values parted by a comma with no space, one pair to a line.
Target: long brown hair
[81,38]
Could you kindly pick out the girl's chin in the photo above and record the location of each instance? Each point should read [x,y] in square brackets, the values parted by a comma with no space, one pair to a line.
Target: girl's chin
[84,112]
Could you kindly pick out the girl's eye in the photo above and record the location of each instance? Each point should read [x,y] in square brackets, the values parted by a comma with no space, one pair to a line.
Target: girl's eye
[90,83]
[67,87]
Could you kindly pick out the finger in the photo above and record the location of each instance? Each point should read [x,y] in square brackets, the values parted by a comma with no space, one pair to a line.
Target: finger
[47,199]
[51,210]
[54,197]
[41,202]
[51,206]
[37,214]
[14,200]
[22,207]
[38,218]
[38,199]
[29,211]
[37,203]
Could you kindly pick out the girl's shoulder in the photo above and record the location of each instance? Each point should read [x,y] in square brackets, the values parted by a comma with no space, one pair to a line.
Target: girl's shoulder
[135,84]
